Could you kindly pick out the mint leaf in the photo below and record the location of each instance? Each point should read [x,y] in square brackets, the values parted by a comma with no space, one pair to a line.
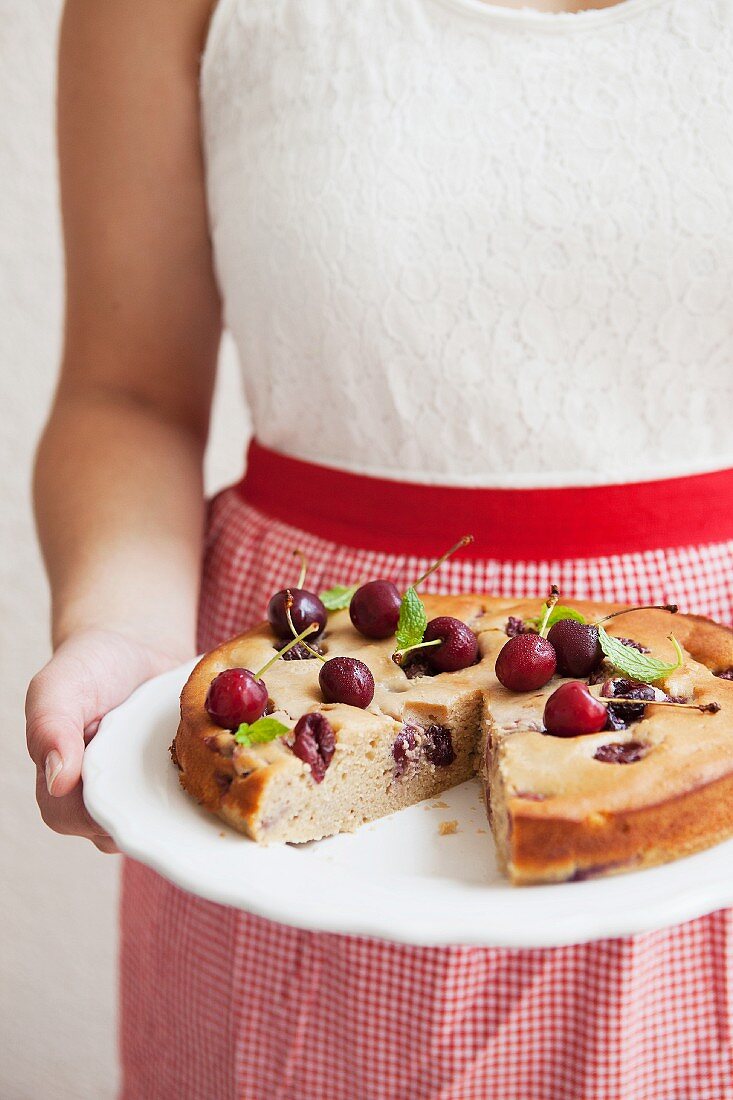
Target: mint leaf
[259,732]
[558,612]
[635,665]
[412,621]
[338,597]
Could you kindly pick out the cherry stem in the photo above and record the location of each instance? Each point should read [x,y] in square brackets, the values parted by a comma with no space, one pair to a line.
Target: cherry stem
[706,708]
[549,604]
[278,655]
[288,605]
[419,645]
[436,565]
[672,608]
[303,567]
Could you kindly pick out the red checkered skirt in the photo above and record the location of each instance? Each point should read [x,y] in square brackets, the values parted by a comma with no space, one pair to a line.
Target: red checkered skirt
[219,1004]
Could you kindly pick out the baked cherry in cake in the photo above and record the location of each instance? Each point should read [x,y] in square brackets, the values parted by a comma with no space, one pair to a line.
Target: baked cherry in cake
[314,742]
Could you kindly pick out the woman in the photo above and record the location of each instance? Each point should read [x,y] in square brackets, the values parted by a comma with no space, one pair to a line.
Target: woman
[458,245]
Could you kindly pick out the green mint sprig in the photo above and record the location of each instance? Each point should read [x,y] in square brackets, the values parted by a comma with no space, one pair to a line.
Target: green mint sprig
[412,621]
[338,597]
[259,732]
[413,616]
[635,665]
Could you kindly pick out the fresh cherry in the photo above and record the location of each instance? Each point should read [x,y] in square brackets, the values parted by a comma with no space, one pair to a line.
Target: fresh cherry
[305,608]
[375,609]
[234,697]
[572,711]
[577,644]
[238,695]
[347,680]
[526,662]
[293,609]
[458,644]
[375,606]
[577,647]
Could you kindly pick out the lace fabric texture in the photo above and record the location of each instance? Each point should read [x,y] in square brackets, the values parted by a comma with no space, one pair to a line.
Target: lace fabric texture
[478,247]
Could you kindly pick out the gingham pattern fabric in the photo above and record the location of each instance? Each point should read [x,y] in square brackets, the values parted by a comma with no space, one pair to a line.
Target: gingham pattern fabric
[220,1005]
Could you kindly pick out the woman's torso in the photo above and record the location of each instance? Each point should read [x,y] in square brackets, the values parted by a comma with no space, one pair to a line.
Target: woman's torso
[470,245]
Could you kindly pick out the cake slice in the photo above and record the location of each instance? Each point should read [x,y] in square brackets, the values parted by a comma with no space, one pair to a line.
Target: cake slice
[559,808]
[576,807]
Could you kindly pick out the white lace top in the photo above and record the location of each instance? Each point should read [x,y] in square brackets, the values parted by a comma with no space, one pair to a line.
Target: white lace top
[478,246]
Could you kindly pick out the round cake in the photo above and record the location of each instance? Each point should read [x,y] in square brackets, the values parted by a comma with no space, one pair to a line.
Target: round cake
[655,783]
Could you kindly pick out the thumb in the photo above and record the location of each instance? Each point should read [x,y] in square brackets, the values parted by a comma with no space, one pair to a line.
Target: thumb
[55,731]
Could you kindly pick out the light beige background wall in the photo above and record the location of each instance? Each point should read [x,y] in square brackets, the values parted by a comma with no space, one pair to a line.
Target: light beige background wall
[57,896]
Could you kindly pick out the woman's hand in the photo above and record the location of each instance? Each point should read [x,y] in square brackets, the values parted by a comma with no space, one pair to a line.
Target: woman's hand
[90,673]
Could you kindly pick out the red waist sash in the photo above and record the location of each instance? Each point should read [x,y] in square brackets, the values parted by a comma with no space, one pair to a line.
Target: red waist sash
[508,524]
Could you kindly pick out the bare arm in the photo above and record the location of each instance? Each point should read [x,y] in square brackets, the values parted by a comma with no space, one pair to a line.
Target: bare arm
[118,484]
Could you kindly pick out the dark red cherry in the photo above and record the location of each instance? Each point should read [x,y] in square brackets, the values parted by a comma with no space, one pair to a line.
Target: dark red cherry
[235,696]
[572,711]
[375,609]
[525,663]
[346,680]
[577,647]
[406,749]
[458,648]
[623,688]
[439,746]
[314,742]
[306,609]
[621,752]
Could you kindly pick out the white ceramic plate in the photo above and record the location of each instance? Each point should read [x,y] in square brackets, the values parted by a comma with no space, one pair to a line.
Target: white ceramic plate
[396,878]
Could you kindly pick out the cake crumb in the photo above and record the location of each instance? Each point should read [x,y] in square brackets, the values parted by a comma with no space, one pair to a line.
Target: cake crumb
[447,828]
[481,830]
[439,806]
[222,834]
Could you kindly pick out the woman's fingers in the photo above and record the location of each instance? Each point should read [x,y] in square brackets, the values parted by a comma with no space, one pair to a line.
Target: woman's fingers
[57,706]
[90,673]
[69,816]
[55,734]
[83,678]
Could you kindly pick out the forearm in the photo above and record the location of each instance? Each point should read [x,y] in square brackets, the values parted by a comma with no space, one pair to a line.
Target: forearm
[119,506]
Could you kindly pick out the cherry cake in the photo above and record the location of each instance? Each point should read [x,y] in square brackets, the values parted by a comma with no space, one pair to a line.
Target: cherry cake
[585,770]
